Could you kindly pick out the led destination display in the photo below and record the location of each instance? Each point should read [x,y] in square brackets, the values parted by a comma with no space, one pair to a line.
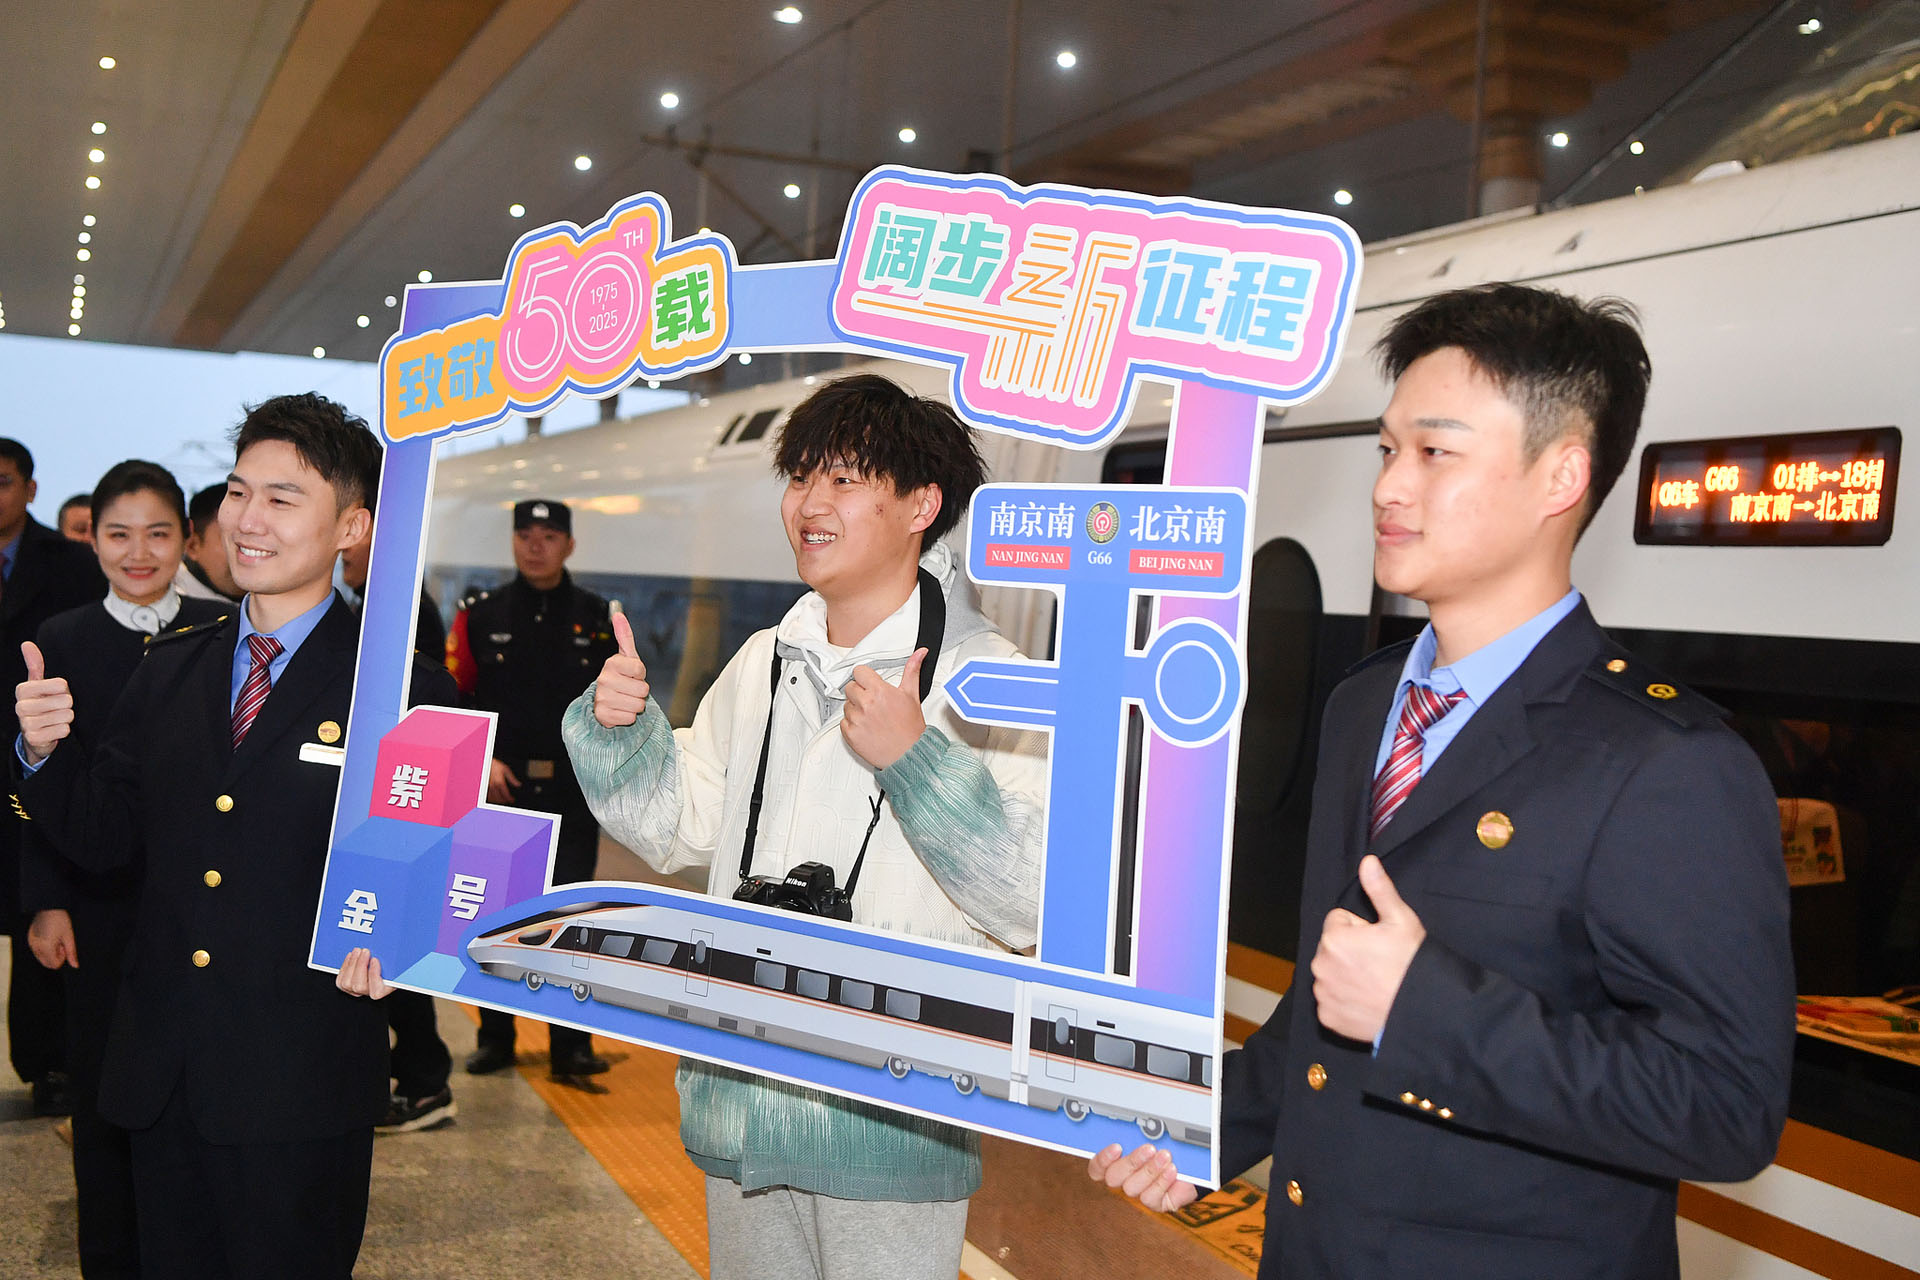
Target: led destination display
[1824,489]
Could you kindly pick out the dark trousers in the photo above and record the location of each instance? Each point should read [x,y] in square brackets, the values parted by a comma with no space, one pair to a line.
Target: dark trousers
[420,1060]
[576,853]
[36,1012]
[102,1151]
[287,1210]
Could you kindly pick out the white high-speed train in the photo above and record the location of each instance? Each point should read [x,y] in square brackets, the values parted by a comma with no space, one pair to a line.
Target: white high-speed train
[1779,306]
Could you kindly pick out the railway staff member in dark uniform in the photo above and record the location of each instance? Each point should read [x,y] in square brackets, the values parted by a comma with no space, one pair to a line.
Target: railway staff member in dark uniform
[1544,970]
[41,574]
[524,651]
[251,1084]
[139,517]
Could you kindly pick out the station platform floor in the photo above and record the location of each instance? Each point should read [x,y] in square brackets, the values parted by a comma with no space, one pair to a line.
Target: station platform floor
[539,1178]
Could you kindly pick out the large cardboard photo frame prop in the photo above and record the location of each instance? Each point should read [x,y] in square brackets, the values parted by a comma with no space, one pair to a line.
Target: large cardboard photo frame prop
[1049,305]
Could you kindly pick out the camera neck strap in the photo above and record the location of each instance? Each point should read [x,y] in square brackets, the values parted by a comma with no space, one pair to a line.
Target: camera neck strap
[933,627]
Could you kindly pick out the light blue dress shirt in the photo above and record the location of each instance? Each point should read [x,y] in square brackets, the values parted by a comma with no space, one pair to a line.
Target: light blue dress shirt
[291,635]
[9,553]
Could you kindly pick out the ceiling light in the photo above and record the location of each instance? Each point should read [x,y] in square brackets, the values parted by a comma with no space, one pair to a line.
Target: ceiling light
[908,135]
[106,64]
[1559,140]
[583,163]
[99,126]
[87,221]
[1343,197]
[746,357]
[392,301]
[425,277]
[669,99]
[73,331]
[362,321]
[788,15]
[79,279]
[1636,146]
[1067,59]
[516,211]
[83,254]
[791,191]
[96,155]
[1812,27]
[79,291]
[653,384]
[319,353]
[93,182]
[86,237]
[76,313]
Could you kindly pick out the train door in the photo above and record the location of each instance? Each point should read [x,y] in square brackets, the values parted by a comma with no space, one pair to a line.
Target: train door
[700,962]
[1063,1031]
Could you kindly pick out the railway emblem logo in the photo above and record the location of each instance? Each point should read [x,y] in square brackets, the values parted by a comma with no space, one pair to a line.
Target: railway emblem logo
[1103,522]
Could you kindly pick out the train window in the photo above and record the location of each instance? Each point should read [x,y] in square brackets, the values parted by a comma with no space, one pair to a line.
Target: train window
[756,426]
[1113,1051]
[1135,464]
[810,984]
[728,433]
[700,953]
[1206,1072]
[535,937]
[1062,1032]
[903,1004]
[659,951]
[573,938]
[1283,623]
[617,944]
[768,974]
[1171,1063]
[856,995]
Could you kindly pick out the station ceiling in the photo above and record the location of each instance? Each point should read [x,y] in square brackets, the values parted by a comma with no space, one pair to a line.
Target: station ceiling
[271,171]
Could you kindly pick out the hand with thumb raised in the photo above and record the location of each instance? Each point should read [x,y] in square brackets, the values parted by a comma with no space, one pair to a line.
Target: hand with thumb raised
[44,707]
[1359,965]
[620,694]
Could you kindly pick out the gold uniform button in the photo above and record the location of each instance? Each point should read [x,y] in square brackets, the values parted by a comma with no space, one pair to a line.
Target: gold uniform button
[223,803]
[212,879]
[1617,665]
[1294,1193]
[201,959]
[1316,1077]
[1408,1098]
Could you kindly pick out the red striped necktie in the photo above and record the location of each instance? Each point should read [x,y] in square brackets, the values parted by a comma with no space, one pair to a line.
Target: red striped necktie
[1398,777]
[253,694]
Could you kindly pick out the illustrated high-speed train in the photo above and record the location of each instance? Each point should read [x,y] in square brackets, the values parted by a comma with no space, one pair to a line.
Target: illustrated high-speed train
[1029,1042]
[1776,303]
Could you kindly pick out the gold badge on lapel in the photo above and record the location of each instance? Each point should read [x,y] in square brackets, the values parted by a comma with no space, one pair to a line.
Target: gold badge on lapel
[328,732]
[1662,691]
[1494,829]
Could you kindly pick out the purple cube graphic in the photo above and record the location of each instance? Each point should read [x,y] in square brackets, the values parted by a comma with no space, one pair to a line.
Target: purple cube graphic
[499,858]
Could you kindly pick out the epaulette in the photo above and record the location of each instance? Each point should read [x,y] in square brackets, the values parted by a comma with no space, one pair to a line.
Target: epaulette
[1397,652]
[181,633]
[1638,681]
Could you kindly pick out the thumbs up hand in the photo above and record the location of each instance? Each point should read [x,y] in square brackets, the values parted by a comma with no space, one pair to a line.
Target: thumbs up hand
[620,696]
[44,707]
[884,720]
[1358,967]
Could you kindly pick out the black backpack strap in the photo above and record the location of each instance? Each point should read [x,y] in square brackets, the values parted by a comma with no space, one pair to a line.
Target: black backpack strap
[760,773]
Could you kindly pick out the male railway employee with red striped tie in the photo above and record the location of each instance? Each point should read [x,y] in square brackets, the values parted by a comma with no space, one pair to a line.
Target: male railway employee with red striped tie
[1545,970]
[250,1083]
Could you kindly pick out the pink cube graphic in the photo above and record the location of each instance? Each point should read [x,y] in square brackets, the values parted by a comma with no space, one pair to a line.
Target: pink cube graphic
[431,767]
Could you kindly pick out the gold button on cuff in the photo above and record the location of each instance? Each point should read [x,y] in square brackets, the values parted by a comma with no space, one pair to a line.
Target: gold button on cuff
[1444,1113]
[201,959]
[1426,1104]
[1408,1098]
[1294,1193]
[1316,1077]
[223,803]
[212,879]
[1617,665]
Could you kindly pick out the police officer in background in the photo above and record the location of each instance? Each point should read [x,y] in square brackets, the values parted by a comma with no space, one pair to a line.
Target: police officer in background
[524,651]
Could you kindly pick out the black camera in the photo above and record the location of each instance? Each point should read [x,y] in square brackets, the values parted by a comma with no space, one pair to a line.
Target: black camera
[807,888]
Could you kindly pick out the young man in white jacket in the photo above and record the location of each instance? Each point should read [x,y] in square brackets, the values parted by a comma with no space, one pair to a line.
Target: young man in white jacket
[803,1183]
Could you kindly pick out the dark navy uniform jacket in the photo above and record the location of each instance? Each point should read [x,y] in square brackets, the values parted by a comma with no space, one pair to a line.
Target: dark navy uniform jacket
[1603,1003]
[216,999]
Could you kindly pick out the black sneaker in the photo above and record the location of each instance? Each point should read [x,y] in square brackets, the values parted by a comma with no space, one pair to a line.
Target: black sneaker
[410,1115]
[489,1058]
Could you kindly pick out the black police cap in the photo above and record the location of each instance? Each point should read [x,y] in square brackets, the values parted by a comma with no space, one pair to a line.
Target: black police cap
[555,515]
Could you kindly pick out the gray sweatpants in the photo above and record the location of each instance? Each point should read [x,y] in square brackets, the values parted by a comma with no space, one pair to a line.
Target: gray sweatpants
[782,1234]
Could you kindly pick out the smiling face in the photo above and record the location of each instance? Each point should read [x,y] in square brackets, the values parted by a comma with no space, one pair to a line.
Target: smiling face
[283,527]
[540,554]
[139,545]
[850,531]
[1462,520]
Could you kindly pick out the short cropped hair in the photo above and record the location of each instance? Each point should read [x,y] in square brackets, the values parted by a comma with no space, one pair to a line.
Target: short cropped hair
[1566,365]
[137,475]
[13,451]
[335,443]
[77,500]
[203,508]
[885,432]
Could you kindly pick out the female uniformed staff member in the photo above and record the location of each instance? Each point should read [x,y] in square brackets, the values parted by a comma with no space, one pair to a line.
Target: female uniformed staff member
[139,522]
